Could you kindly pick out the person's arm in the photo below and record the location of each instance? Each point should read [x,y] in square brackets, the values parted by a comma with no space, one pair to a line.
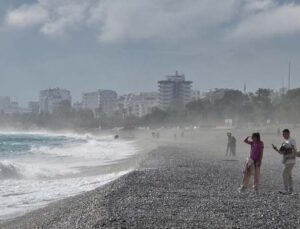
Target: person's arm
[276,149]
[294,147]
[247,140]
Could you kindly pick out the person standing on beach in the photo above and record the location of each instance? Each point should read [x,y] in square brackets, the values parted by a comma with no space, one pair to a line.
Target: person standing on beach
[288,150]
[231,145]
[228,150]
[253,163]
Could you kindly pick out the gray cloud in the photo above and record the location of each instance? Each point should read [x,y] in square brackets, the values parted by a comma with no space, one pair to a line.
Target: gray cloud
[275,21]
[117,21]
[130,20]
[109,44]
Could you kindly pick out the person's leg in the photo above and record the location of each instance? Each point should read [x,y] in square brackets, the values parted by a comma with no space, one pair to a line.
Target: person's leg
[290,179]
[227,150]
[233,150]
[256,178]
[285,176]
[246,178]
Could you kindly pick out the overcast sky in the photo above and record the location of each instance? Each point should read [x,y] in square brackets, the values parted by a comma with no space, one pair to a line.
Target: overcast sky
[128,45]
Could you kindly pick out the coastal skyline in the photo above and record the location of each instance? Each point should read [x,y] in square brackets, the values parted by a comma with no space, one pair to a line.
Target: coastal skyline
[84,46]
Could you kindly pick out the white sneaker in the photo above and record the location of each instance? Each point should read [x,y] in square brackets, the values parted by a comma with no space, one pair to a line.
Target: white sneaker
[241,189]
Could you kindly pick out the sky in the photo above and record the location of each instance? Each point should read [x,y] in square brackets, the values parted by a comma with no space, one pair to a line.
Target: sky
[128,45]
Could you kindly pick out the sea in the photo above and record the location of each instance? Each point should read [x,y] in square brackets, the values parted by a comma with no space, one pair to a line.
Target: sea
[38,168]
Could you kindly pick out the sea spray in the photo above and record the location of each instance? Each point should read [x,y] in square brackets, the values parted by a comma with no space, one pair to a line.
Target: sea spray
[38,168]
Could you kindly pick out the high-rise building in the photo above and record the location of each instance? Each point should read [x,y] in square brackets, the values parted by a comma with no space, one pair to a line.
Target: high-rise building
[77,106]
[100,101]
[34,107]
[215,94]
[174,92]
[138,105]
[9,107]
[51,99]
[196,95]
[4,104]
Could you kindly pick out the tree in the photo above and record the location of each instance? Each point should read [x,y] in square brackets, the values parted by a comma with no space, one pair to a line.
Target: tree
[157,116]
[290,106]
[262,104]
[230,106]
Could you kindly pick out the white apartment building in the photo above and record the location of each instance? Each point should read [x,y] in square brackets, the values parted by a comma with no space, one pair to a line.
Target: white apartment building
[50,99]
[33,107]
[100,101]
[77,106]
[9,107]
[215,94]
[174,92]
[196,95]
[4,104]
[138,105]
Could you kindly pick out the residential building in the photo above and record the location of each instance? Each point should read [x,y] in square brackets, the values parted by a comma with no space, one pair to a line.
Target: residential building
[9,107]
[174,92]
[51,99]
[196,95]
[138,105]
[4,104]
[100,101]
[78,106]
[33,107]
[215,94]
[14,108]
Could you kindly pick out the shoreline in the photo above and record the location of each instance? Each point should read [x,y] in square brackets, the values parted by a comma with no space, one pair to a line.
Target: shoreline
[107,171]
[175,187]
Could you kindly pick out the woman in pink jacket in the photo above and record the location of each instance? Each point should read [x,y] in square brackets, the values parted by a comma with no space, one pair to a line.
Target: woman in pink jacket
[253,163]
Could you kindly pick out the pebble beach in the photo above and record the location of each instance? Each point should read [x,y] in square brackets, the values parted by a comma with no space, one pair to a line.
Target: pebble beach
[176,187]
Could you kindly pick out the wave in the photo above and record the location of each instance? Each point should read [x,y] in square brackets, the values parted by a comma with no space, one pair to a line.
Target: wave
[17,170]
[56,134]
[104,151]
[9,171]
[59,157]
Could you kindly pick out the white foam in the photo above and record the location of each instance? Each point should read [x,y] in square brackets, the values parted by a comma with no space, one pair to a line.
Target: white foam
[21,170]
[19,196]
[50,172]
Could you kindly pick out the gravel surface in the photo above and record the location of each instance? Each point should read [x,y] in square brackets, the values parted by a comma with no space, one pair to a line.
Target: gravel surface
[176,187]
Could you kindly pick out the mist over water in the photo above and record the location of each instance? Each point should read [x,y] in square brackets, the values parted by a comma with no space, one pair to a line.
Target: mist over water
[37,168]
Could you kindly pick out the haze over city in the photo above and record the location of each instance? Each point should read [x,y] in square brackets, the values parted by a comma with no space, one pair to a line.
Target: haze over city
[129,46]
[149,114]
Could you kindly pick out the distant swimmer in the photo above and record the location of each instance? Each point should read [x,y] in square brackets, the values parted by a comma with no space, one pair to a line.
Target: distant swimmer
[288,150]
[253,162]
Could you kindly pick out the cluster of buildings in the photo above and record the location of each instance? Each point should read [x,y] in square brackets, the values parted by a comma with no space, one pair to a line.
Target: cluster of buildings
[7,106]
[174,92]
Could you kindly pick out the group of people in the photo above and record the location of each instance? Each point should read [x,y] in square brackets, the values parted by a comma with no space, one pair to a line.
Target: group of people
[288,150]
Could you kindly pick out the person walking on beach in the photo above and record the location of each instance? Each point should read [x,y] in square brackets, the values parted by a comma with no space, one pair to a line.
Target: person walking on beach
[288,151]
[253,163]
[231,145]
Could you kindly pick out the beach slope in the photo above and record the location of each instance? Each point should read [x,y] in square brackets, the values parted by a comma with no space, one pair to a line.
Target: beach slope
[175,187]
